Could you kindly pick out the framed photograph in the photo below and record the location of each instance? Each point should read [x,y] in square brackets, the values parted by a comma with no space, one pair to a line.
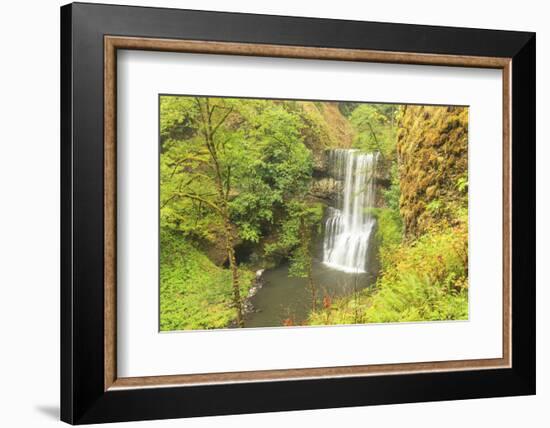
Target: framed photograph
[265,213]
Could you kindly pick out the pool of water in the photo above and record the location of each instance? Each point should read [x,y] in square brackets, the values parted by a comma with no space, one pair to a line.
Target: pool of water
[285,298]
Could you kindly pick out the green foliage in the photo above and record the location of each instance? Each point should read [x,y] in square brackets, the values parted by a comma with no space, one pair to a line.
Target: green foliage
[389,230]
[260,154]
[194,293]
[462,184]
[324,126]
[375,126]
[392,194]
[434,206]
[427,280]
[176,114]
[281,171]
[347,107]
[389,234]
[297,231]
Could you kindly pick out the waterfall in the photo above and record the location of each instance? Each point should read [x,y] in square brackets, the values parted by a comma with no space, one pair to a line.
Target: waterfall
[349,225]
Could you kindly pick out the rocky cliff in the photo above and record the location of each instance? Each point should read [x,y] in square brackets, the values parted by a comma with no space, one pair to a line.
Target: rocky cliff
[432,150]
[326,129]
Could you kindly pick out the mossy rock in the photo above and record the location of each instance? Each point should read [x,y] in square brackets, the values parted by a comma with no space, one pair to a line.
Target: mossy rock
[432,147]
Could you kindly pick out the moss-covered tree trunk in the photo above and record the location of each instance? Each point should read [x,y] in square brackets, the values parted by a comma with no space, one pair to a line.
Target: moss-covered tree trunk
[234,271]
[223,185]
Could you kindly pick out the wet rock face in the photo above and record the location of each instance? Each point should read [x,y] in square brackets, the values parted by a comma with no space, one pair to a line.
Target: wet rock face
[326,189]
[382,175]
[323,186]
[215,249]
[320,164]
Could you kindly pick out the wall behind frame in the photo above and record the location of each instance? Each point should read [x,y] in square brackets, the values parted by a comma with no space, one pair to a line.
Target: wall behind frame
[29,219]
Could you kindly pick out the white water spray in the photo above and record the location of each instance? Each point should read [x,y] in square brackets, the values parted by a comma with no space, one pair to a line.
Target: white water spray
[349,225]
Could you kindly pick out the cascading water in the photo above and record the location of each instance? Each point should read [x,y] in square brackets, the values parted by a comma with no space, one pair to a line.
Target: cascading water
[349,225]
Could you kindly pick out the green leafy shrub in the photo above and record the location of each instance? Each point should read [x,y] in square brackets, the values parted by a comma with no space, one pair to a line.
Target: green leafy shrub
[194,292]
[389,233]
